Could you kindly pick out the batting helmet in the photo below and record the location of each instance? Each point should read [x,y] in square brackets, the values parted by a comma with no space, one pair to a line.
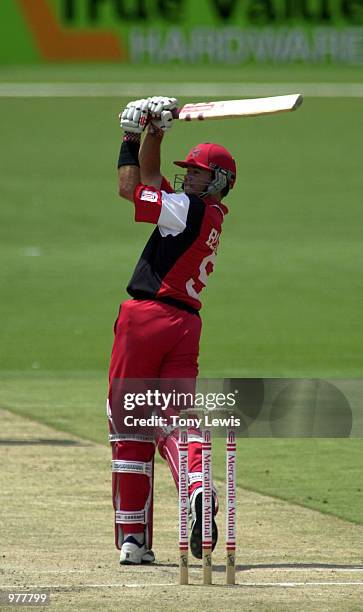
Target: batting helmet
[212,157]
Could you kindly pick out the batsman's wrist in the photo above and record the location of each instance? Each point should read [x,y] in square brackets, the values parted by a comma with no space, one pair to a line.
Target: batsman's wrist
[132,137]
[129,151]
[154,130]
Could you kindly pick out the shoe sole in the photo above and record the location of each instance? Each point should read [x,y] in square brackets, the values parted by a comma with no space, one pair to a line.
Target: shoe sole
[132,563]
[196,535]
[142,561]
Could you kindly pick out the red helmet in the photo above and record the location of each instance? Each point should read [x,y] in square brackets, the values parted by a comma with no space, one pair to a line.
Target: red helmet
[211,157]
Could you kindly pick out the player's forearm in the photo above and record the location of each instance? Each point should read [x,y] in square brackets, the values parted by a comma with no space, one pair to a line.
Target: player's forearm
[128,178]
[128,166]
[149,157]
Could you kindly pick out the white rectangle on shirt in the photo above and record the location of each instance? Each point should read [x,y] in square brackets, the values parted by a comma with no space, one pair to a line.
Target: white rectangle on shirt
[174,212]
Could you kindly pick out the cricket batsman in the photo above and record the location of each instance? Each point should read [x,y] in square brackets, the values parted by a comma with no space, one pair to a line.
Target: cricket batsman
[157,331]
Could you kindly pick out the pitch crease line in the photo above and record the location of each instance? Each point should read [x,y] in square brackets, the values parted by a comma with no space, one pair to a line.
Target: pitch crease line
[173,585]
[245,571]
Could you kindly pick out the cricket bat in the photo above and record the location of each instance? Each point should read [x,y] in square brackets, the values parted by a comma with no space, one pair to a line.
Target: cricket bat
[238,108]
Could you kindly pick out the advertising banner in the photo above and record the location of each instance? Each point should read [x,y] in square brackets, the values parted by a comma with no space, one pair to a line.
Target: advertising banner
[182,31]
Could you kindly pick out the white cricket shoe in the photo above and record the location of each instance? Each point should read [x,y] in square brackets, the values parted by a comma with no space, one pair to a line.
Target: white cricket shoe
[134,553]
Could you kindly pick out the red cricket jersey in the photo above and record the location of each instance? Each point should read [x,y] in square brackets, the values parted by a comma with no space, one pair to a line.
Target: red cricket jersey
[181,252]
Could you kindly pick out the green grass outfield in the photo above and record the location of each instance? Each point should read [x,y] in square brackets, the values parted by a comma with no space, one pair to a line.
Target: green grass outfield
[285,299]
[287,292]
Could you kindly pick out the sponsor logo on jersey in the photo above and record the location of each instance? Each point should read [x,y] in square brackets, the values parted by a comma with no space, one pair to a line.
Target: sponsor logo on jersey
[149,196]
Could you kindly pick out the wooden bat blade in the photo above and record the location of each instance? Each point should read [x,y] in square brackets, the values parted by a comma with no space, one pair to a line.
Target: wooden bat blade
[240,108]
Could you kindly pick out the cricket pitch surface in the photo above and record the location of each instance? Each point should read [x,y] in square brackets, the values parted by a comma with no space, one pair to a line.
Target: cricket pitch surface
[57,521]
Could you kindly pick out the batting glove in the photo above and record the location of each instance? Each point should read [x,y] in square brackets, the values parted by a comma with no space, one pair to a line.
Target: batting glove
[134,117]
[158,104]
[161,111]
[164,122]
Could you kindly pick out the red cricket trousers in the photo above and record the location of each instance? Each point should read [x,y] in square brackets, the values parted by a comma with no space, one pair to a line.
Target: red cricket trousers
[152,340]
[155,340]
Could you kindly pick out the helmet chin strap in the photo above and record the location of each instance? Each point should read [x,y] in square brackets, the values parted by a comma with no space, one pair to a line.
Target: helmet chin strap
[219,182]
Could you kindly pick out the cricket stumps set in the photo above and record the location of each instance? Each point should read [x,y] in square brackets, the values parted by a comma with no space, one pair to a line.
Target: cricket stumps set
[231,506]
